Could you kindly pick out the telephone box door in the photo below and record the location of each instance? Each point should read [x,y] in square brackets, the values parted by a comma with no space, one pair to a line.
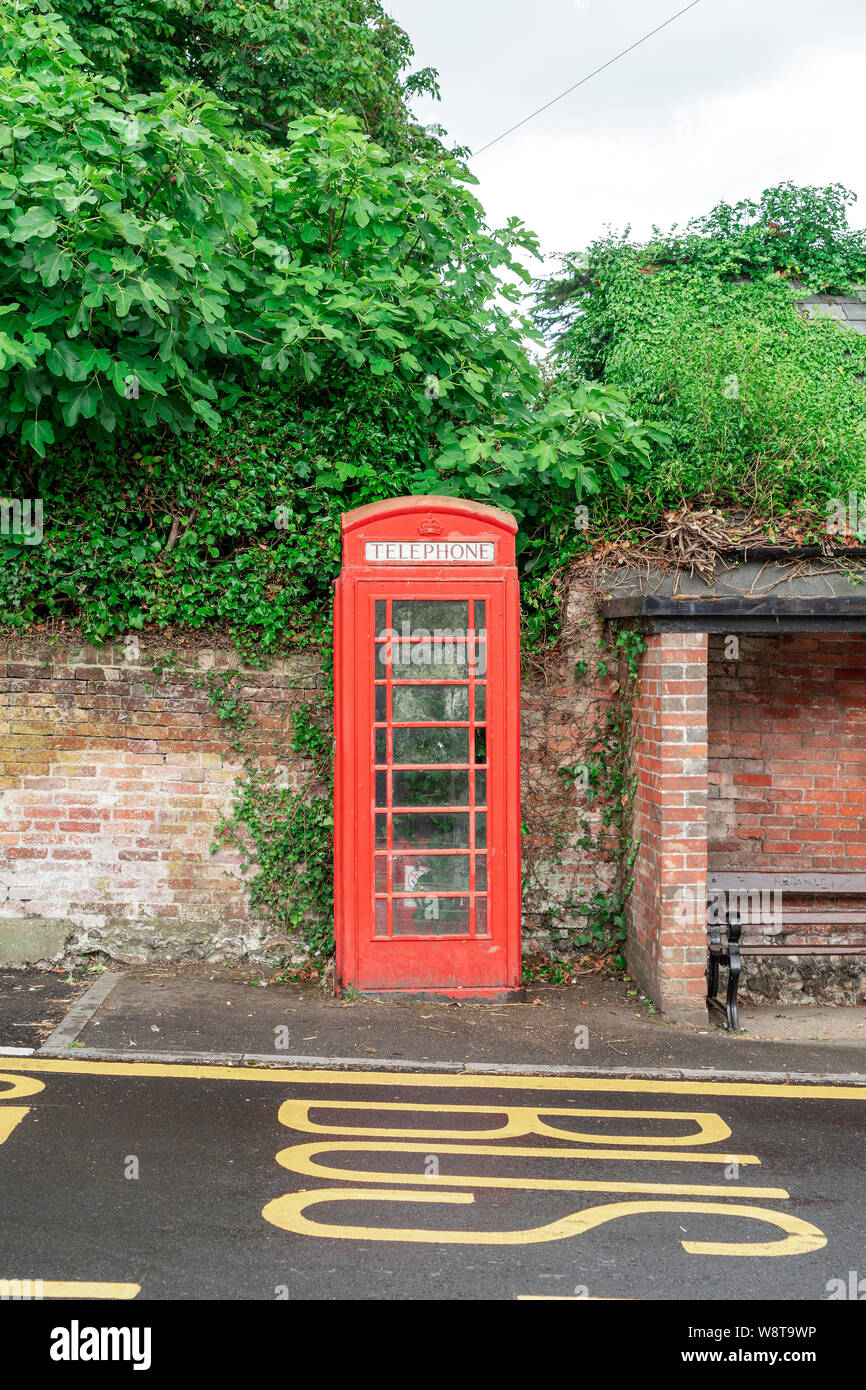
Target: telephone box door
[428,902]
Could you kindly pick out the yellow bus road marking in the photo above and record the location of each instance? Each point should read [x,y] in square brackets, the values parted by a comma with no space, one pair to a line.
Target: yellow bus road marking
[520,1120]
[509,1150]
[771,1090]
[36,1289]
[14,1087]
[10,1116]
[288,1213]
[299,1159]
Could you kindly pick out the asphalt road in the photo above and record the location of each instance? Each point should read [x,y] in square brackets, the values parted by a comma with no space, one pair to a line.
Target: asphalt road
[168,1182]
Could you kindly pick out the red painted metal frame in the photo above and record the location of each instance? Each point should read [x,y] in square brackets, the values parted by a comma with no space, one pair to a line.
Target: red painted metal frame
[461,964]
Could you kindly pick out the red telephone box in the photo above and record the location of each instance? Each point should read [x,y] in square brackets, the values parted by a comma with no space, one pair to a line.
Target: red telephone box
[427,767]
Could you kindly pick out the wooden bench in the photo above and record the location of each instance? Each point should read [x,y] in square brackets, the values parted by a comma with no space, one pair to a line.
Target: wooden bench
[725,923]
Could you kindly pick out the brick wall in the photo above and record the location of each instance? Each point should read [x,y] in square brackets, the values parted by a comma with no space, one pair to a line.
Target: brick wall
[787,770]
[667,938]
[787,787]
[111,785]
[113,780]
[568,855]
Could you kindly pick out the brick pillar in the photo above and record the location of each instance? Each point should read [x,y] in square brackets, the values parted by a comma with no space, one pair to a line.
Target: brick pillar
[667,943]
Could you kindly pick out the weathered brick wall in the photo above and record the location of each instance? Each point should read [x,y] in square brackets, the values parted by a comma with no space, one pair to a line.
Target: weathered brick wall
[787,767]
[112,783]
[787,784]
[667,948]
[568,856]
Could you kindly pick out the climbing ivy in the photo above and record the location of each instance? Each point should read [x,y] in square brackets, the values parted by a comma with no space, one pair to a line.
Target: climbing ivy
[607,776]
[283,834]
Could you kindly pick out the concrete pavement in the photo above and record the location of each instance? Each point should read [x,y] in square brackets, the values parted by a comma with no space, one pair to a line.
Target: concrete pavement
[599,1025]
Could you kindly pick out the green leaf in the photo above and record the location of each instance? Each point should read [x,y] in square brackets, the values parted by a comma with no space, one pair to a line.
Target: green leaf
[36,222]
[37,433]
[123,222]
[64,359]
[82,403]
[52,263]
[41,173]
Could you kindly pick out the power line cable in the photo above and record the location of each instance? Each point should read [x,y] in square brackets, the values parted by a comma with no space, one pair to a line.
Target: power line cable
[586,79]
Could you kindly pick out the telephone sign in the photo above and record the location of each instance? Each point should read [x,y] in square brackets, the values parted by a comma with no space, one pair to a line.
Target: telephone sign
[427,767]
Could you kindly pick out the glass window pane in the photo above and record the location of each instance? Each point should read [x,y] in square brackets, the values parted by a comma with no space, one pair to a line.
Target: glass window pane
[381,611]
[480,614]
[381,916]
[431,916]
[381,789]
[431,703]
[430,830]
[381,874]
[428,660]
[387,657]
[420,872]
[480,703]
[381,831]
[429,788]
[481,830]
[450,659]
[481,745]
[381,704]
[436,655]
[481,789]
[450,662]
[429,614]
[382,746]
[480,916]
[481,871]
[431,745]
[479,659]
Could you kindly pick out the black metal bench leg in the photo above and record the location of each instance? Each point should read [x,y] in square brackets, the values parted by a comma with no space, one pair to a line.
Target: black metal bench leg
[734,966]
[712,978]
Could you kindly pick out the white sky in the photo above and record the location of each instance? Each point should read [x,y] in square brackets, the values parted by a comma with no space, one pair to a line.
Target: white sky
[733,97]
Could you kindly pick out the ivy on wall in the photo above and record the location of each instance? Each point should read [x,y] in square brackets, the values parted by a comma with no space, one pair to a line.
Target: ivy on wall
[283,833]
[582,830]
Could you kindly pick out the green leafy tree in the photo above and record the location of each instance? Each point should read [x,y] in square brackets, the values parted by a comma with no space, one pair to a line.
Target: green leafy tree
[153,260]
[273,60]
[322,324]
[700,326]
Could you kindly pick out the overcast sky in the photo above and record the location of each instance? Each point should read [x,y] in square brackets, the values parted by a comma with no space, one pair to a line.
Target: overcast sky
[734,96]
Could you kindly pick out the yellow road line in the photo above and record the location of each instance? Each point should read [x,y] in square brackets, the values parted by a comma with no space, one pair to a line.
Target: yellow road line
[10,1116]
[32,1290]
[462,1081]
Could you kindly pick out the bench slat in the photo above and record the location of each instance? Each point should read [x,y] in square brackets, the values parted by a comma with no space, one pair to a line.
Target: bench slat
[742,881]
[756,950]
[855,919]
